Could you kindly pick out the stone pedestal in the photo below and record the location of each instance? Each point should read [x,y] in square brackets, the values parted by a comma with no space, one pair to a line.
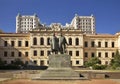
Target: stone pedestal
[59,68]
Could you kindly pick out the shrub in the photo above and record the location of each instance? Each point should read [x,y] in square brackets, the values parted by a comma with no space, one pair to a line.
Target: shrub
[99,67]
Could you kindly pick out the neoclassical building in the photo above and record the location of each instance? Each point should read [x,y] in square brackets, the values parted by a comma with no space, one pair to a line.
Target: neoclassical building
[33,48]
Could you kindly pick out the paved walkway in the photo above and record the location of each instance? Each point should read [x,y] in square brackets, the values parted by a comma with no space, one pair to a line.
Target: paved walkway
[4,79]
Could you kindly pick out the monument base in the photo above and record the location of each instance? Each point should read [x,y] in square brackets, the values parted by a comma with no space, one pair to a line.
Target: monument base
[59,68]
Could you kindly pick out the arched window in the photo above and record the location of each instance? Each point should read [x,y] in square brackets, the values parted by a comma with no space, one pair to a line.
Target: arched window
[41,41]
[76,41]
[34,41]
[48,41]
[70,41]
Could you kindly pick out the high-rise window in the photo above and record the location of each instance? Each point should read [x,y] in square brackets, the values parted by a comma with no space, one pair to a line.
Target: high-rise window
[42,41]
[41,53]
[5,43]
[76,41]
[70,41]
[26,43]
[77,53]
[35,53]
[19,43]
[12,43]
[34,41]
[113,44]
[99,44]
[85,44]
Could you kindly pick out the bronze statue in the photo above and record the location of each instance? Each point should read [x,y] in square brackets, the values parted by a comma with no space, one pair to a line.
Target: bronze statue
[54,44]
[62,44]
[58,44]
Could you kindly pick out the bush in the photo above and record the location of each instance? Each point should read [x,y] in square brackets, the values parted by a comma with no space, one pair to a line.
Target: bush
[99,67]
[9,67]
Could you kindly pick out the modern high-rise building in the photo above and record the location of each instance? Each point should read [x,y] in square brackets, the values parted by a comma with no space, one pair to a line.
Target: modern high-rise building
[85,23]
[25,23]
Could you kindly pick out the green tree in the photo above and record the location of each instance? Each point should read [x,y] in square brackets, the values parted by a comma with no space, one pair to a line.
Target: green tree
[115,62]
[18,62]
[1,62]
[92,62]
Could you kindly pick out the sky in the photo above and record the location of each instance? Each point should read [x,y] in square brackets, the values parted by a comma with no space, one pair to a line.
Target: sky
[106,12]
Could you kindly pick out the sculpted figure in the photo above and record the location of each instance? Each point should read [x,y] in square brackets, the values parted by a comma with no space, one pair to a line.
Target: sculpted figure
[62,44]
[54,44]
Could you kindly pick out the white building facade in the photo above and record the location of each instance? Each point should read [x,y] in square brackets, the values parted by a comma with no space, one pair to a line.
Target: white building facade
[85,23]
[25,23]
[34,48]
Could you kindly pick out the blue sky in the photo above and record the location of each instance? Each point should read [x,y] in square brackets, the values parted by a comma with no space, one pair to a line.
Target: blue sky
[106,12]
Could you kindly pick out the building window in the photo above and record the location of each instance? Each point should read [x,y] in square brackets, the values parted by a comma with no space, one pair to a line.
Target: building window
[85,44]
[41,53]
[12,54]
[99,54]
[76,41]
[34,41]
[26,43]
[92,44]
[113,44]
[99,44]
[19,43]
[86,54]
[42,62]
[19,54]
[106,44]
[70,41]
[41,41]
[77,62]
[113,54]
[92,54]
[35,53]
[26,54]
[77,53]
[70,53]
[48,41]
[35,61]
[5,43]
[5,54]
[12,62]
[100,62]
[106,62]
[12,43]
[48,53]
[106,54]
